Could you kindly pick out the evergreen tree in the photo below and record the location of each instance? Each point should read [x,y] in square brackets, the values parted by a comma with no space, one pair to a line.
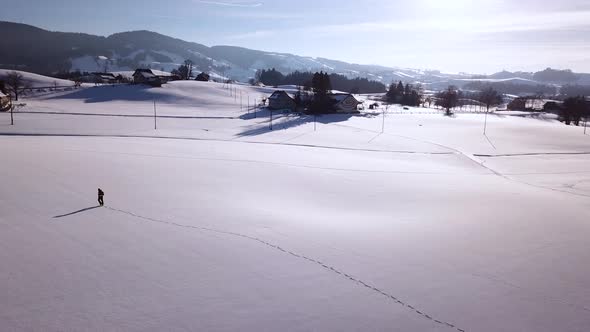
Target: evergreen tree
[392,95]
[271,77]
[321,84]
[321,87]
[400,88]
[405,95]
[327,83]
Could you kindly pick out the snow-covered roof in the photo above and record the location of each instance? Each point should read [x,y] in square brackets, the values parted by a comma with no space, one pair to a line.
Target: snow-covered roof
[278,94]
[338,97]
[2,95]
[161,73]
[105,76]
[146,73]
[152,73]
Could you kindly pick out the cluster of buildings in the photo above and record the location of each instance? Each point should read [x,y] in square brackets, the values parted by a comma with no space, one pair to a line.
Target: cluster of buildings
[341,102]
[140,76]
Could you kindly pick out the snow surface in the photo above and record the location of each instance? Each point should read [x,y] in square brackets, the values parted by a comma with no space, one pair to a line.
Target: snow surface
[215,223]
[37,81]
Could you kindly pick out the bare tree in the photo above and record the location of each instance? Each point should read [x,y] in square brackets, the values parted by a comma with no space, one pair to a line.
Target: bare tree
[428,101]
[189,68]
[16,84]
[448,99]
[489,97]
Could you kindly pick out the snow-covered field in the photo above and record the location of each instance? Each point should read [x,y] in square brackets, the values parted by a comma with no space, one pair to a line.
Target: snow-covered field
[215,223]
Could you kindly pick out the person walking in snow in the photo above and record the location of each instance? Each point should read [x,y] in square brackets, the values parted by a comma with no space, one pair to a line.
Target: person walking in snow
[100,197]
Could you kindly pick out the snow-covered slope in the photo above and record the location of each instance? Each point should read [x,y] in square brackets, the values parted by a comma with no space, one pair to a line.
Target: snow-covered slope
[37,81]
[213,222]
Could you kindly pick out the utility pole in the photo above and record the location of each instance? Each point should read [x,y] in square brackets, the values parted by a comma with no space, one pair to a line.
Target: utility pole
[11,109]
[155,117]
[255,108]
[383,123]
[585,124]
[485,123]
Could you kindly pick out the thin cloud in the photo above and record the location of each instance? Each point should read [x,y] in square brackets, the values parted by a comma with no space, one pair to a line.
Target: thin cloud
[266,15]
[243,4]
[254,35]
[506,24]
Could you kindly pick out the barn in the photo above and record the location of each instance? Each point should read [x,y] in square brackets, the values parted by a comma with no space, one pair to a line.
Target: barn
[146,76]
[103,78]
[344,102]
[281,100]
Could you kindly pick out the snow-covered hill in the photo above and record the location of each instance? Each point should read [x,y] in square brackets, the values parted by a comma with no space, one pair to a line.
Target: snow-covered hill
[48,52]
[37,81]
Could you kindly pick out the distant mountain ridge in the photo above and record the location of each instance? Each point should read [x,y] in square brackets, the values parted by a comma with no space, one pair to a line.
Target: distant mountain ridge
[29,48]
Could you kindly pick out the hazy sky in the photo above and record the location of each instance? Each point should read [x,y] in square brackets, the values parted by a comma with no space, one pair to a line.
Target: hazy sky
[457,35]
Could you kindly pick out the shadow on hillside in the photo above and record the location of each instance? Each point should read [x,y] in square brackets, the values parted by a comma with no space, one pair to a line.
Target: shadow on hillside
[286,121]
[535,116]
[106,93]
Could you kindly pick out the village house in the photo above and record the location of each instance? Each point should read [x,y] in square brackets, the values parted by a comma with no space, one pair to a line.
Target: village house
[152,77]
[165,77]
[101,78]
[146,76]
[281,100]
[344,102]
[104,78]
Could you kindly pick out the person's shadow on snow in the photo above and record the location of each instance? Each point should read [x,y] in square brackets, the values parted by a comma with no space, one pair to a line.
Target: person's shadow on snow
[76,212]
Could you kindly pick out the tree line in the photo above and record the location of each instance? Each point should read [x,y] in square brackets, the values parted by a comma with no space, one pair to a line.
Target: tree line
[512,88]
[273,77]
[185,72]
[452,97]
[407,95]
[321,85]
[575,90]
[573,110]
